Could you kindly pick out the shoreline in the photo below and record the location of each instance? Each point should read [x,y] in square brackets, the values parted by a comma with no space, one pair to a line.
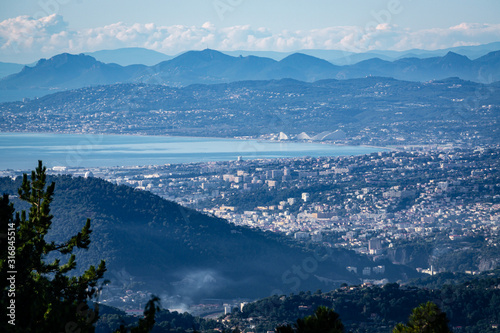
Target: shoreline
[92,150]
[204,137]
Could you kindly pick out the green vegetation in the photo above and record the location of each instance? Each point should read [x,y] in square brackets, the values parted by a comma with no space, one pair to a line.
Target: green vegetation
[195,254]
[51,296]
[40,294]
[147,323]
[322,320]
[165,322]
[426,318]
[472,305]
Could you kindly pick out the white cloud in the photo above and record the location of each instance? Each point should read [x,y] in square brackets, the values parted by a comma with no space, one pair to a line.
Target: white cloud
[26,39]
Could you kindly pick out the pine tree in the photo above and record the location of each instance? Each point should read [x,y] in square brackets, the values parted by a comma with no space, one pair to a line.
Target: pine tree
[323,320]
[47,298]
[145,324]
[426,318]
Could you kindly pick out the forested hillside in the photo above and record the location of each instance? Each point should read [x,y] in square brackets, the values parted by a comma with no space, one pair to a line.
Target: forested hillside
[155,245]
[471,305]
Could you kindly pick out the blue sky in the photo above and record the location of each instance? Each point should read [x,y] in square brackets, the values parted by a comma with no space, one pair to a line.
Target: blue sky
[30,29]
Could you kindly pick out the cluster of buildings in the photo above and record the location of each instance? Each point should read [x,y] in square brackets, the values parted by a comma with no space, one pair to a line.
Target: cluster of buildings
[370,204]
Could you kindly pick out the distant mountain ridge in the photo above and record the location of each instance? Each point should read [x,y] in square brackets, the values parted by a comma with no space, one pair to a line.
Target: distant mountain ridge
[7,68]
[343,57]
[66,71]
[130,56]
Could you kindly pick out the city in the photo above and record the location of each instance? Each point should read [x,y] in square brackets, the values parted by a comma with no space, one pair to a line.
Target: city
[445,200]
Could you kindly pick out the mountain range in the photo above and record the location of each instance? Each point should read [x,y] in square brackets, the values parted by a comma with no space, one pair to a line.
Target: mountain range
[66,71]
[156,245]
[130,56]
[343,57]
[8,68]
[142,56]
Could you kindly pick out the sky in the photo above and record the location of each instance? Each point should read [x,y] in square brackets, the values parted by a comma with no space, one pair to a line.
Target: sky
[32,29]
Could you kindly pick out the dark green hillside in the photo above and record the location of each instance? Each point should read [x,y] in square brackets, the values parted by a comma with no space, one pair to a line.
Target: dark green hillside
[166,321]
[155,245]
[472,305]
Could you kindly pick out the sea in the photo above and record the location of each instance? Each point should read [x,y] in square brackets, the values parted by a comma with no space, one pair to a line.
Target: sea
[21,151]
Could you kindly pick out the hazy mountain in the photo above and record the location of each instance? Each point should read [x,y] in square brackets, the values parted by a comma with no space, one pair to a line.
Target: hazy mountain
[486,67]
[370,67]
[137,55]
[264,54]
[472,51]
[207,66]
[343,57]
[67,71]
[301,67]
[8,68]
[435,68]
[348,58]
[156,245]
[130,56]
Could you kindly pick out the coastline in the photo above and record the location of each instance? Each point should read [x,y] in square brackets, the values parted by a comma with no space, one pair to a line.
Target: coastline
[90,150]
[206,137]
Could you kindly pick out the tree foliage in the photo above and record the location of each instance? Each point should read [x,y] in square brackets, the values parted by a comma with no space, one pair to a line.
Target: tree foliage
[426,318]
[47,297]
[323,320]
[472,304]
[145,324]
